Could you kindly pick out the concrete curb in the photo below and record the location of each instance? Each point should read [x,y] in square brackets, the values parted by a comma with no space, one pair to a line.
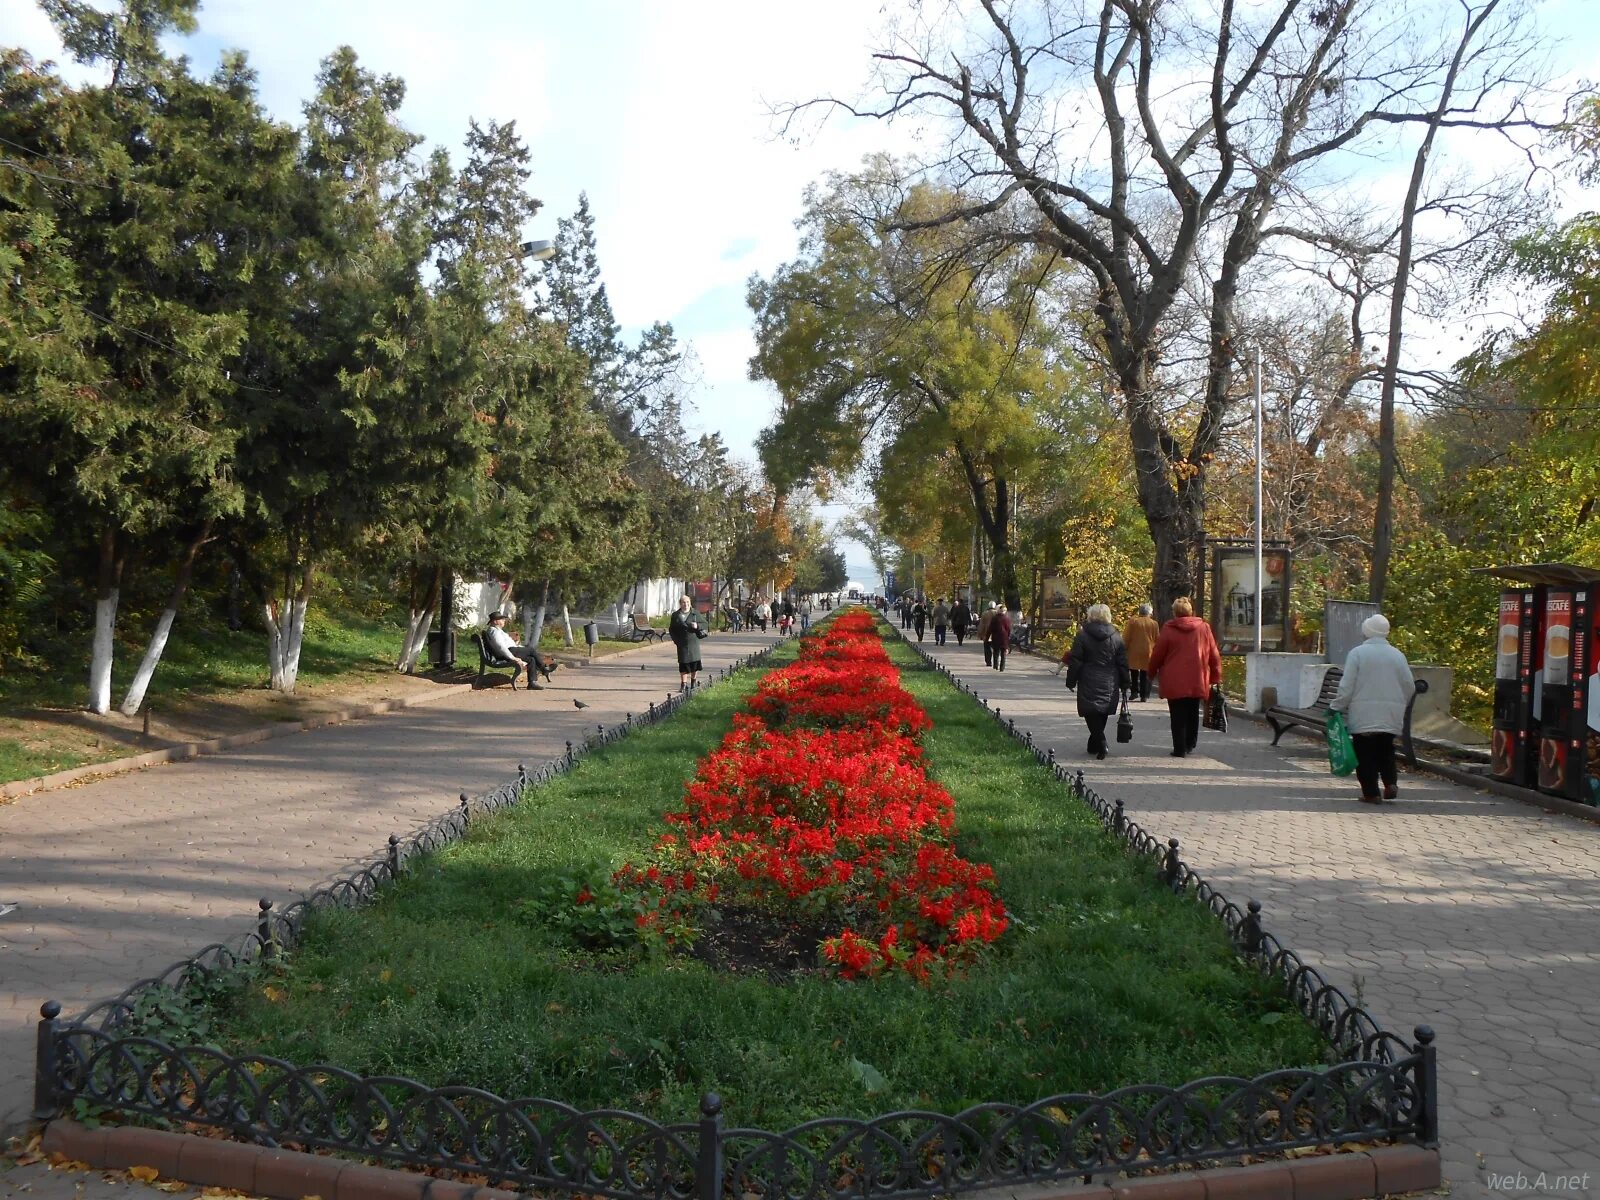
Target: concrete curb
[291,1175]
[1555,804]
[184,751]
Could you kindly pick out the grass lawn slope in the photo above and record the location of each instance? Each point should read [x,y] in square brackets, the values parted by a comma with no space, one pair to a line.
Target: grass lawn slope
[1103,978]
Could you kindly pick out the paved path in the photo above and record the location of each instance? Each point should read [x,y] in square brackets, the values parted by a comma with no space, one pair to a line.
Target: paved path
[119,878]
[1474,914]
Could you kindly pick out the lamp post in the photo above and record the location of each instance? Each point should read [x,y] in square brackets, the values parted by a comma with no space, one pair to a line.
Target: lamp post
[1259,511]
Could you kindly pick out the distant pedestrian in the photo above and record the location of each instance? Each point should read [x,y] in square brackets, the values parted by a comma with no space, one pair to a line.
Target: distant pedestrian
[1377,686]
[941,621]
[1186,664]
[998,637]
[1140,638]
[763,615]
[805,615]
[982,634]
[685,630]
[919,618]
[905,612]
[960,619]
[1097,666]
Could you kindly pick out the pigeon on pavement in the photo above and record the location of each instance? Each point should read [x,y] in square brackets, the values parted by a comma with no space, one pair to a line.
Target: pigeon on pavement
[576,703]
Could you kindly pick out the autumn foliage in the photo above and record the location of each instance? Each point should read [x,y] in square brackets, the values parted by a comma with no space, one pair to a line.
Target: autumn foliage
[817,805]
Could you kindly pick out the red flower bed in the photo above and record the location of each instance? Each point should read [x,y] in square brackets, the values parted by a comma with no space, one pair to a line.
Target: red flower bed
[817,805]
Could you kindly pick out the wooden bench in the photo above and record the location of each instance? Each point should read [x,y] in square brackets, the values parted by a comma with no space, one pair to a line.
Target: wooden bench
[489,660]
[1283,718]
[645,632]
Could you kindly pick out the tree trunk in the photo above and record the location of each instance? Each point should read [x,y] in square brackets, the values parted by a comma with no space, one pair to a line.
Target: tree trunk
[1383,518]
[566,618]
[420,622]
[286,631]
[107,592]
[158,640]
[538,620]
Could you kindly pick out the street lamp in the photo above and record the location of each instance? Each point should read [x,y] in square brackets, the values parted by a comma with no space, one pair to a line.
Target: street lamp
[541,251]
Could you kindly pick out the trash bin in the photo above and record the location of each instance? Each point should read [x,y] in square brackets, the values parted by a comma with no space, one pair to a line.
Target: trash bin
[442,647]
[591,635]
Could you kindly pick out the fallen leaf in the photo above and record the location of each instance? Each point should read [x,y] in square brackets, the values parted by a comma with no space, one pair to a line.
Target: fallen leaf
[276,995]
[222,1193]
[144,1174]
[172,1186]
[385,975]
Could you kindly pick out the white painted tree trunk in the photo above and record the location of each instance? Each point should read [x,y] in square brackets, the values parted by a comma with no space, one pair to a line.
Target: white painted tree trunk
[269,613]
[286,631]
[538,619]
[527,623]
[105,625]
[296,639]
[158,640]
[566,620]
[416,638]
[147,665]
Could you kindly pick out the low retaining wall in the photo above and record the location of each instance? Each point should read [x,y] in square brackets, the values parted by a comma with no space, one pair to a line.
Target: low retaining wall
[290,1175]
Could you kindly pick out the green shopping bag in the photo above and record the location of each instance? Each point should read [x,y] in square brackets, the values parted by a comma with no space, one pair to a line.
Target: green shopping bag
[1341,750]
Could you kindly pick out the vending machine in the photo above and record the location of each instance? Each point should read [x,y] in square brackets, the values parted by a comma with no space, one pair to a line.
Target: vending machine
[1569,742]
[1519,651]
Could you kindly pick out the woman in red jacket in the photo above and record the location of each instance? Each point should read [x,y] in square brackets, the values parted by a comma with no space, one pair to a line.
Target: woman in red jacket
[1185,662]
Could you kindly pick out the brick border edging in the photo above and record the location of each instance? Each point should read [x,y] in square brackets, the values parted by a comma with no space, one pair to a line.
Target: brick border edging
[185,751]
[291,1175]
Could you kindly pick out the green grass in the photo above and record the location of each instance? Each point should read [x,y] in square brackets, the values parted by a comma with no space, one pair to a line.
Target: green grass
[206,657]
[1107,979]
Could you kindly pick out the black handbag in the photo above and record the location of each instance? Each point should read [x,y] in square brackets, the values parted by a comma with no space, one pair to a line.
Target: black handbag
[1125,723]
[1216,710]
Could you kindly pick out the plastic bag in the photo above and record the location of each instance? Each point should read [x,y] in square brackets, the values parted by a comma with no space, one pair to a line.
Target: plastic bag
[1216,714]
[1341,750]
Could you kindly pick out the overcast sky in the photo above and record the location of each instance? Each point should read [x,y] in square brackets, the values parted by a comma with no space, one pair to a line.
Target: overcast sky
[659,110]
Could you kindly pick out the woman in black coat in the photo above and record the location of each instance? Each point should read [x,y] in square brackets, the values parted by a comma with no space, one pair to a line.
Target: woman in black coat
[1097,665]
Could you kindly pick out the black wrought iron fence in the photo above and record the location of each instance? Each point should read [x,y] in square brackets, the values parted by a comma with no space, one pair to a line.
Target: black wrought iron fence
[1384,1088]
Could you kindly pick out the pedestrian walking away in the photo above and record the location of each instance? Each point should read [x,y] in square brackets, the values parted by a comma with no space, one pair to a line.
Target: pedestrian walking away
[919,618]
[1377,686]
[686,630]
[1097,666]
[960,620]
[1140,638]
[941,621]
[1185,663]
[999,638]
[986,620]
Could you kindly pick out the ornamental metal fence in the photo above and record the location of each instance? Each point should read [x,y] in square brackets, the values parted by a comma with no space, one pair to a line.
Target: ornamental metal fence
[1382,1089]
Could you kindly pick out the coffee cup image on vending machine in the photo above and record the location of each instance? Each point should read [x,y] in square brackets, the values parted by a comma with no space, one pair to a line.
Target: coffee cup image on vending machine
[1509,644]
[1557,643]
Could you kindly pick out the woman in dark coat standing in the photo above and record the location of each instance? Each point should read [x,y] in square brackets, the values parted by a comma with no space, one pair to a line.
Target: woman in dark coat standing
[686,631]
[1097,665]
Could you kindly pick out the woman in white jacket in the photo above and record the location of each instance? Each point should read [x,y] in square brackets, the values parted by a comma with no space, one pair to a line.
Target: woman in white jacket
[1373,695]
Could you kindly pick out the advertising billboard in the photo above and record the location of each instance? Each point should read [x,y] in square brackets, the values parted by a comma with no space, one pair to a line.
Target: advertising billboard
[1234,599]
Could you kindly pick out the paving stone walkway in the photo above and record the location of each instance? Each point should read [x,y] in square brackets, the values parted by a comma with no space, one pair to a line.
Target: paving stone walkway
[119,878]
[1450,907]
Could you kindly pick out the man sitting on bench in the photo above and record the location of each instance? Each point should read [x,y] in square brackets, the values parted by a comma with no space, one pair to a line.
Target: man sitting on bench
[500,642]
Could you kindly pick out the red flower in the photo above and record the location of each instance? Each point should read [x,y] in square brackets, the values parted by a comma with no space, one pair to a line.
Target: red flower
[818,795]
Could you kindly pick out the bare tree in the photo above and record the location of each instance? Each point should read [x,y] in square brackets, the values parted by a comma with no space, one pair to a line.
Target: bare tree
[1151,143]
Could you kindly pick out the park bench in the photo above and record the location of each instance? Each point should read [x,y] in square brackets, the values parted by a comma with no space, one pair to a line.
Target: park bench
[645,632]
[489,660]
[1022,637]
[1282,718]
